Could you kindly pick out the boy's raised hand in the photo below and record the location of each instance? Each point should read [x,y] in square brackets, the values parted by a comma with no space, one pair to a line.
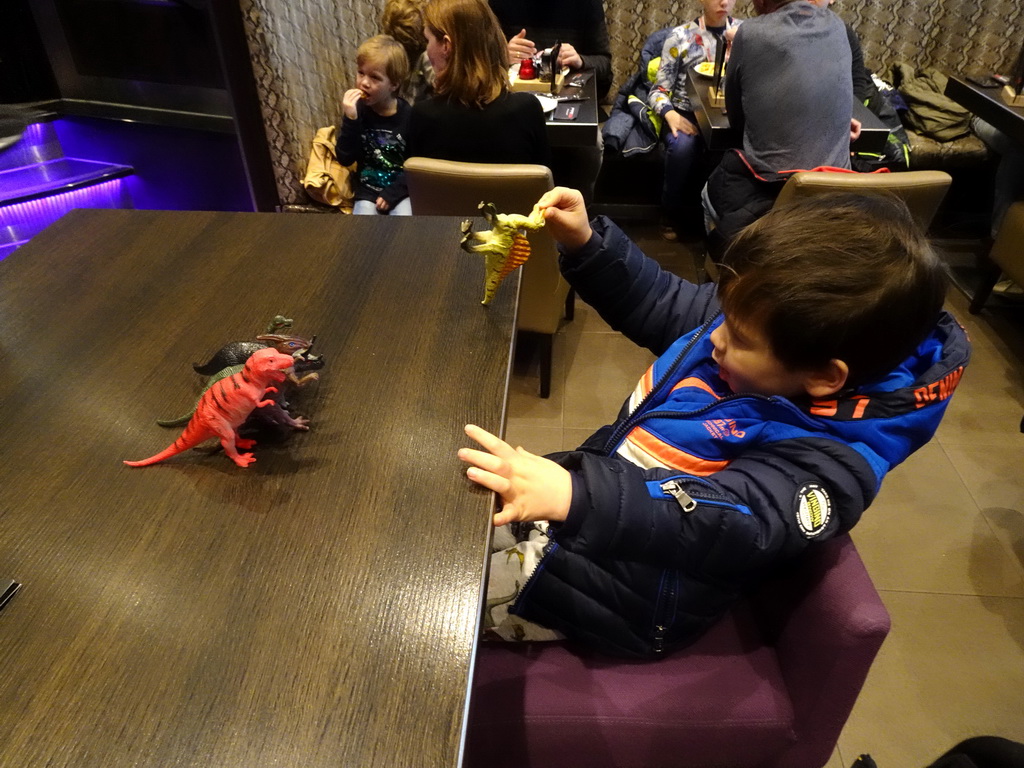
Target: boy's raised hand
[349,101]
[531,487]
[565,216]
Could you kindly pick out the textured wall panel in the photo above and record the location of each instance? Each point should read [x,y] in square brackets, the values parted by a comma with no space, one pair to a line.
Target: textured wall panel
[303,51]
[303,54]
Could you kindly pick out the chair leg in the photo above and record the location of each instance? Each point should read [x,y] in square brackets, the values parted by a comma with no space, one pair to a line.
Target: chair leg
[699,257]
[546,345]
[570,305]
[990,277]
[714,248]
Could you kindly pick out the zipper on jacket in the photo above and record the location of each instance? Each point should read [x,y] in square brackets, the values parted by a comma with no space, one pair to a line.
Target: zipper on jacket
[664,610]
[690,491]
[675,489]
[658,643]
[548,549]
[627,425]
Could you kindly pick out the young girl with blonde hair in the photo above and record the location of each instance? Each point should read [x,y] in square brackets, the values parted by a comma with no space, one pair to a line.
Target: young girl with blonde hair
[373,128]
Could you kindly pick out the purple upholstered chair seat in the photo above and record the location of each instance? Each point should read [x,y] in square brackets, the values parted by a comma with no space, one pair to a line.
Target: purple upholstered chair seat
[770,685]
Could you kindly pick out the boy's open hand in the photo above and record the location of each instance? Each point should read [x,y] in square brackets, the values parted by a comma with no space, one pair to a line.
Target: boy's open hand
[531,487]
[565,216]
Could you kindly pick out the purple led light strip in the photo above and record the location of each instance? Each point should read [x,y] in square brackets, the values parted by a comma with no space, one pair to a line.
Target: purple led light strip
[20,221]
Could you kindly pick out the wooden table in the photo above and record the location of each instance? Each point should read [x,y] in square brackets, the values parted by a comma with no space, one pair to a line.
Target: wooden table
[987,104]
[719,135]
[319,608]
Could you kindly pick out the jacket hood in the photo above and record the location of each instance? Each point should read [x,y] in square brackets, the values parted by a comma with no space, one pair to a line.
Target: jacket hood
[895,416]
[682,416]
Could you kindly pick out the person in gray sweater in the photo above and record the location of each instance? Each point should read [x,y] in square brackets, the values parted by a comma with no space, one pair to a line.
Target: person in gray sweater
[789,92]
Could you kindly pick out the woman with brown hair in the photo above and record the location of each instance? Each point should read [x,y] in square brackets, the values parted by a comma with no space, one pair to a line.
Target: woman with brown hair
[473,116]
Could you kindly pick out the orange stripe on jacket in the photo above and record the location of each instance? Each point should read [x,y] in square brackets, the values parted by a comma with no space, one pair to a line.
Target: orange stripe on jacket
[693,381]
[643,387]
[647,381]
[665,455]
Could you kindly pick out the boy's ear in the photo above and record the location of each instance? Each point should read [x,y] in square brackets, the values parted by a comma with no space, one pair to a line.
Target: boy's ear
[828,379]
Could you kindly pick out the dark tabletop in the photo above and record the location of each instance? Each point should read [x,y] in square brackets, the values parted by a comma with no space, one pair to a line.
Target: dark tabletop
[987,104]
[319,608]
[583,130]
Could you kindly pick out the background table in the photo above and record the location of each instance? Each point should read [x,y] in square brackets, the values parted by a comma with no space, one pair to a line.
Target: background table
[987,104]
[583,131]
[719,135]
[319,608]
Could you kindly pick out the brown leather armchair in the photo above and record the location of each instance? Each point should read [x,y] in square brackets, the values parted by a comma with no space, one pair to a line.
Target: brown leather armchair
[450,188]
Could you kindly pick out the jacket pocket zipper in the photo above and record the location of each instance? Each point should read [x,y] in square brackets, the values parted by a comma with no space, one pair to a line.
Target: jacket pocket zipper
[675,489]
[683,487]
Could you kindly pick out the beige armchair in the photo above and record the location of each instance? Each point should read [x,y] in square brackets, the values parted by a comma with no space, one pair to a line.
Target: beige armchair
[449,188]
[1006,257]
[922,191]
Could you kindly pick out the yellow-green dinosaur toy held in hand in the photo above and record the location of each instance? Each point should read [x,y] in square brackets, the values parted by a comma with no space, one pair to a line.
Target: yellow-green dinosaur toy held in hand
[504,245]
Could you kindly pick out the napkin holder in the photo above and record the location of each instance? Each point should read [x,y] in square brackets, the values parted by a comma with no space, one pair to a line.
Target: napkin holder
[716,96]
[1011,96]
[535,85]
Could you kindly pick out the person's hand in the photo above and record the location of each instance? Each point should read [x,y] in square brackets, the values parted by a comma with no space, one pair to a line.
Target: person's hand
[531,487]
[520,48]
[565,216]
[568,57]
[854,129]
[382,205]
[349,101]
[677,123]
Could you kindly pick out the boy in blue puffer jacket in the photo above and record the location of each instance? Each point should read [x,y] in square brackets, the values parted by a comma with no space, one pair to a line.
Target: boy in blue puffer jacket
[779,401]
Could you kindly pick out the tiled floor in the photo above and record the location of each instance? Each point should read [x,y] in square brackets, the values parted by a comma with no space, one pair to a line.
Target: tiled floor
[944,541]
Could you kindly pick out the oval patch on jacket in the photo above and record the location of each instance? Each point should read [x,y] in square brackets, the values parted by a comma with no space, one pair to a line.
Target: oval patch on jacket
[814,509]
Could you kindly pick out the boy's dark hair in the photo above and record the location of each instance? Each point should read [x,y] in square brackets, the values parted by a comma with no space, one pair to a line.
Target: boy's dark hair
[850,277]
[385,52]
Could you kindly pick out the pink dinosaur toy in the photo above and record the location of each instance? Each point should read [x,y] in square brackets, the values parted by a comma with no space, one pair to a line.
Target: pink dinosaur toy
[227,404]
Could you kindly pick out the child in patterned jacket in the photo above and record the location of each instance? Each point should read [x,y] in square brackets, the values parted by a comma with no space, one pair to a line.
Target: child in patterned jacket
[686,46]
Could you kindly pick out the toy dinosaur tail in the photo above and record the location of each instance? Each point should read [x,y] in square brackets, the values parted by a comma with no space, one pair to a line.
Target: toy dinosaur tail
[193,435]
[517,255]
[208,368]
[175,422]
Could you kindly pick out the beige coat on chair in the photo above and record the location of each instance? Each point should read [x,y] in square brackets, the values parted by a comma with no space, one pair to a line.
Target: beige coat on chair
[327,180]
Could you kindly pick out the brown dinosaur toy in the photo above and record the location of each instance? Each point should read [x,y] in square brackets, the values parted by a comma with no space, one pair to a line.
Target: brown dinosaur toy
[227,404]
